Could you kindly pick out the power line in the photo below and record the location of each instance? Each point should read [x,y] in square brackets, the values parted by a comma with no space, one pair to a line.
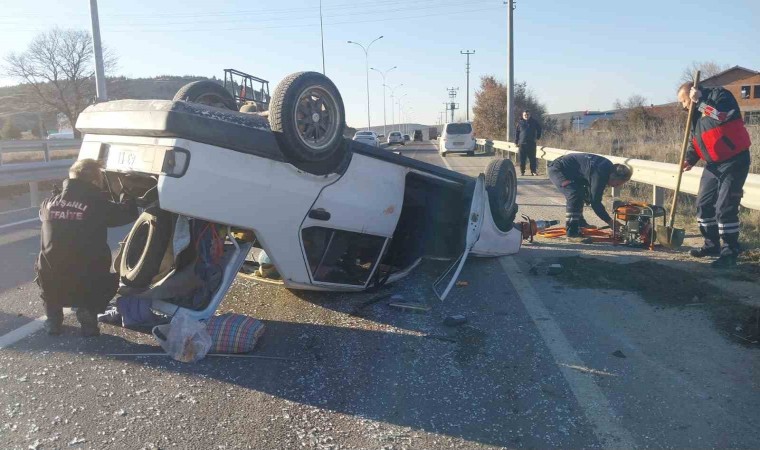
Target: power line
[204,16]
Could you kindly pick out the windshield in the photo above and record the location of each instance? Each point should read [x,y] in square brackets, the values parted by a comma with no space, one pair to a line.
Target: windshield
[395,133]
[458,128]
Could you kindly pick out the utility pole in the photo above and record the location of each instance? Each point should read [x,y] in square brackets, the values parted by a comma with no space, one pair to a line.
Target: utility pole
[322,35]
[468,53]
[510,69]
[100,75]
[452,105]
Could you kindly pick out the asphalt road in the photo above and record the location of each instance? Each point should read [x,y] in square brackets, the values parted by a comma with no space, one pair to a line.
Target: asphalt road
[538,365]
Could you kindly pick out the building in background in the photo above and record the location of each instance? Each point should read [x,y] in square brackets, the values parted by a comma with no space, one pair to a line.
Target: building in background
[581,120]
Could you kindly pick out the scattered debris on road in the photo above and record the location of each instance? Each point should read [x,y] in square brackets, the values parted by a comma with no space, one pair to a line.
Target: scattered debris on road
[455,320]
[555,269]
[462,283]
[410,306]
[619,354]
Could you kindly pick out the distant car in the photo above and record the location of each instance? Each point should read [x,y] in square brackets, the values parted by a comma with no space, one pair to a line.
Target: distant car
[367,137]
[407,138]
[395,137]
[432,133]
[417,135]
[457,137]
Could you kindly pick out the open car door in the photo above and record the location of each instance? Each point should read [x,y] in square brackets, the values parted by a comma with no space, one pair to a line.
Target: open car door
[474,225]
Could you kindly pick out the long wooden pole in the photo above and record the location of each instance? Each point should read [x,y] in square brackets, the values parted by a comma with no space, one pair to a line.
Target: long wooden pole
[684,146]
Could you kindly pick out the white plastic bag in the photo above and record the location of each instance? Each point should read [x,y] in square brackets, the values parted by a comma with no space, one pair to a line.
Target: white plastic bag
[184,339]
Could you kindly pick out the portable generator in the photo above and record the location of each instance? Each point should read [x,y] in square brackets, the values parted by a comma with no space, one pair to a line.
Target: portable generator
[637,223]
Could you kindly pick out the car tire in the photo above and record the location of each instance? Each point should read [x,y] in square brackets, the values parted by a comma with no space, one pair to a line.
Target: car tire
[444,154]
[306,135]
[144,247]
[470,153]
[206,93]
[501,185]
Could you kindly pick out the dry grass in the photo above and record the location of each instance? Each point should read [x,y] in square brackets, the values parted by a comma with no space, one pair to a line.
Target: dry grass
[657,144]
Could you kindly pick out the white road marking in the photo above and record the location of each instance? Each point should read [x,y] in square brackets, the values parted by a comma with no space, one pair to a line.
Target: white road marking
[20,333]
[17,210]
[596,407]
[20,222]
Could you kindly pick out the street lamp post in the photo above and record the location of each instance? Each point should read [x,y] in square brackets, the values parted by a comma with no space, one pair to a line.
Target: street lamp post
[385,132]
[366,64]
[399,110]
[393,105]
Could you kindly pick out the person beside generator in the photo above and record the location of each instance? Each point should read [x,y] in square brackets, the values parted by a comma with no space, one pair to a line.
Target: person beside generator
[527,132]
[582,178]
[74,264]
[718,136]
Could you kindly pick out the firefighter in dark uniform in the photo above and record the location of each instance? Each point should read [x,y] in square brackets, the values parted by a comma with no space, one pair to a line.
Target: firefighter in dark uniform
[582,177]
[528,131]
[719,137]
[74,264]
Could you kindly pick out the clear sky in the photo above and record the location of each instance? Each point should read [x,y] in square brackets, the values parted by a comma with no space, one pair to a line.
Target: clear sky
[574,55]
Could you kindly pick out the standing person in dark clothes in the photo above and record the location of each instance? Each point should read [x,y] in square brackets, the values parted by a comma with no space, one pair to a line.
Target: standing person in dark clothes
[74,264]
[577,173]
[719,137]
[527,133]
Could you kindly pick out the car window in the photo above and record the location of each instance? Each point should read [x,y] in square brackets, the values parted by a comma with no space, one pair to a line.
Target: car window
[342,257]
[458,128]
[364,133]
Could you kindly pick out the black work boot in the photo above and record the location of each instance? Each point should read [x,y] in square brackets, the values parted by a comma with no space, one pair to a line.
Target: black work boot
[88,321]
[54,320]
[702,252]
[724,262]
[573,233]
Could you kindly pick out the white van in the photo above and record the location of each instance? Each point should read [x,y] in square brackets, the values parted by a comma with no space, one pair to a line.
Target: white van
[457,137]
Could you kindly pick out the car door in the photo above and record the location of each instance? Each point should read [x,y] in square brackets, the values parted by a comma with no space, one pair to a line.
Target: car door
[348,228]
[474,226]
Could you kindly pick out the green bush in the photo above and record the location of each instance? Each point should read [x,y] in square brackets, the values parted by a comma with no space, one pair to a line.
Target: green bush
[10,131]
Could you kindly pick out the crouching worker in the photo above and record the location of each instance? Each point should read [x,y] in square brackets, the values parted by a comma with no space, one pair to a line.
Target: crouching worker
[74,264]
[578,173]
[719,137]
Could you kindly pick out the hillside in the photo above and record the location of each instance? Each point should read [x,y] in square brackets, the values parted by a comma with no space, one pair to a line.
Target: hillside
[14,104]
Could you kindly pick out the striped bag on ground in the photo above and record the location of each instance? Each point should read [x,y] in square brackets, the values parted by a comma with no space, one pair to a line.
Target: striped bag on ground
[234,333]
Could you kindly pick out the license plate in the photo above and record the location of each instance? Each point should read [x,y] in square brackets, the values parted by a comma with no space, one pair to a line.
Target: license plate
[458,143]
[146,159]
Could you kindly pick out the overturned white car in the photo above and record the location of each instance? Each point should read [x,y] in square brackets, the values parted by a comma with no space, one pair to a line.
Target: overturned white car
[332,214]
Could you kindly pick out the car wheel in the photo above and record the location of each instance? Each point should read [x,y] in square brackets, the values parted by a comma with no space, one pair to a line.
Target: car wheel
[501,185]
[444,154]
[308,118]
[207,93]
[470,153]
[144,247]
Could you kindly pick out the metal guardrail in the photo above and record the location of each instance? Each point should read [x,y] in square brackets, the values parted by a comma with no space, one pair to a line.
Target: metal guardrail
[44,146]
[34,172]
[659,175]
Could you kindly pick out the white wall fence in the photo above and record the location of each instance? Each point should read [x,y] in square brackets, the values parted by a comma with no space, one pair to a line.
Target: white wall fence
[661,176]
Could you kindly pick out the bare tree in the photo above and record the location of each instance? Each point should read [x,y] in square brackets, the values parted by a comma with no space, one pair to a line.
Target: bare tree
[634,101]
[57,71]
[708,69]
